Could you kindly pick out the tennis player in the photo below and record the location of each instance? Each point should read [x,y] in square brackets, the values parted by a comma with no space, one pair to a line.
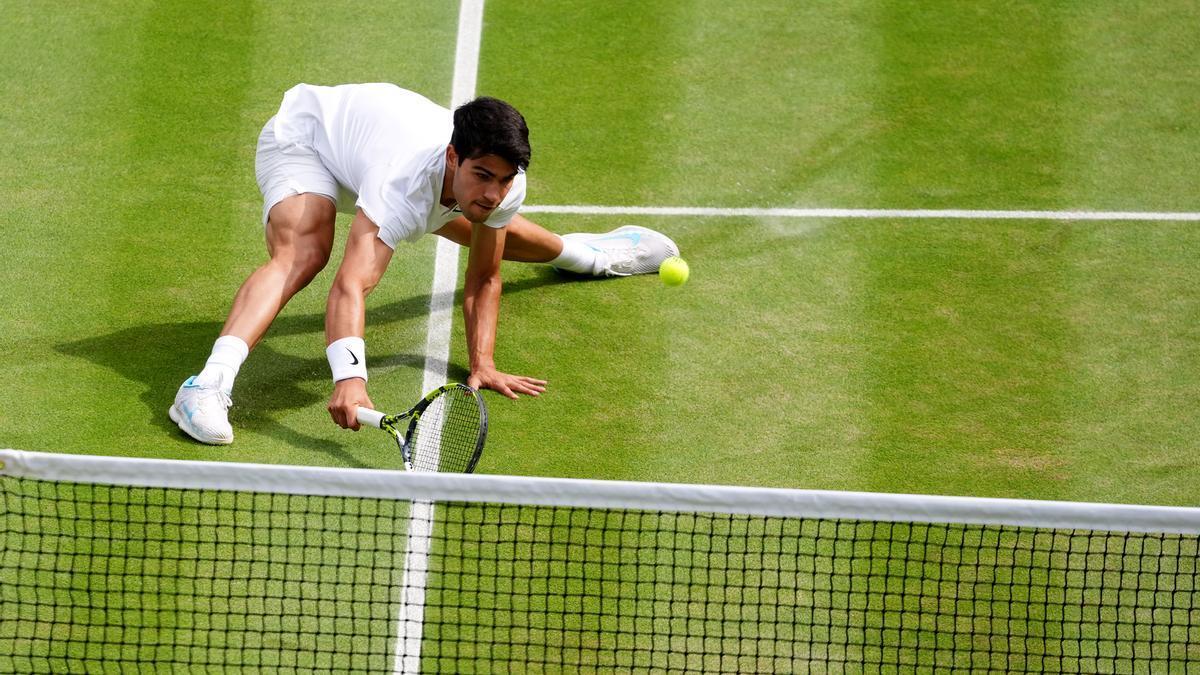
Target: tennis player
[405,167]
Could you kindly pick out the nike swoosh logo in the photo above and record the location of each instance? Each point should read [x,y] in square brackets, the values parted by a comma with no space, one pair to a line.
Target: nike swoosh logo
[355,361]
[634,237]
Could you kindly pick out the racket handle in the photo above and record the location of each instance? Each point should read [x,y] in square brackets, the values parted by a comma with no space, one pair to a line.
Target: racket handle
[370,418]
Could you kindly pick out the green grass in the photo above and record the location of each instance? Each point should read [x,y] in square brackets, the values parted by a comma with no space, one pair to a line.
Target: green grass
[133,130]
[1034,359]
[1019,359]
[1003,359]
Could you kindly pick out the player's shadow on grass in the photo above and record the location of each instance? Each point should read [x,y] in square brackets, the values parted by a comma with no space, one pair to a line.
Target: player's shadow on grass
[161,355]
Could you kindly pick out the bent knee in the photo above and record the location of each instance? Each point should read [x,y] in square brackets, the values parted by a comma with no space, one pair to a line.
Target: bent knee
[311,260]
[301,240]
[302,263]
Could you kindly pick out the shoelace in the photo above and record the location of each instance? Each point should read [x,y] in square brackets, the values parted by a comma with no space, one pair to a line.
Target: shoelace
[222,397]
[218,391]
[624,259]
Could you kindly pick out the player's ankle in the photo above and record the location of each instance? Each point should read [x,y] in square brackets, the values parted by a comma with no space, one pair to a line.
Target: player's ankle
[221,369]
[576,257]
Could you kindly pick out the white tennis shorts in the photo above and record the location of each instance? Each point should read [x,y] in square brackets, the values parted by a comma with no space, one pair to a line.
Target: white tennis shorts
[292,169]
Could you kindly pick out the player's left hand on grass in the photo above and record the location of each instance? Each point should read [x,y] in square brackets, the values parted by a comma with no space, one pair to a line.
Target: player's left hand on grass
[511,386]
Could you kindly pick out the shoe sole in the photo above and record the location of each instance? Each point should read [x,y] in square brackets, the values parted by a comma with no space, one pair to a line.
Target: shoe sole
[181,421]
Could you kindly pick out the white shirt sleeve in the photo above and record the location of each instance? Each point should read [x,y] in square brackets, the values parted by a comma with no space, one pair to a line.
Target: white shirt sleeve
[394,204]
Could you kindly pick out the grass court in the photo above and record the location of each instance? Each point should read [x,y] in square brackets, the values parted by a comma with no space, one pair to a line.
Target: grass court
[1024,358]
[1030,358]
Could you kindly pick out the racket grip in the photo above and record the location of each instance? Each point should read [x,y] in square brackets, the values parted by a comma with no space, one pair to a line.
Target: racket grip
[371,418]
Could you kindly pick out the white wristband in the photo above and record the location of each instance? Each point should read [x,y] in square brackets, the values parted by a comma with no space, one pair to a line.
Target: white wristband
[347,358]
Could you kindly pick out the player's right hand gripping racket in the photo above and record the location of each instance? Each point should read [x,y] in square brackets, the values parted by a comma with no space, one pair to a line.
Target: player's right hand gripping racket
[445,431]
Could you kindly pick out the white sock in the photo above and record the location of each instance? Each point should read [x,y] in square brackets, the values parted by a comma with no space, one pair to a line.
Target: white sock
[228,353]
[576,256]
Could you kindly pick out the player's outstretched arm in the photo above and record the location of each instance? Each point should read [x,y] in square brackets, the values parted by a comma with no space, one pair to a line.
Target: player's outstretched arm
[363,265]
[481,308]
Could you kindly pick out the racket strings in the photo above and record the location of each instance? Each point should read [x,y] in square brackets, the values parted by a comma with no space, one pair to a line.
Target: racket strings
[447,435]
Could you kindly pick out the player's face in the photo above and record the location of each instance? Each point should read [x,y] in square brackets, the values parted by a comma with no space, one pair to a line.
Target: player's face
[480,185]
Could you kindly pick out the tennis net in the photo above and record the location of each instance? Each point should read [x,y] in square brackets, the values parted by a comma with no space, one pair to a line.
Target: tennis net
[125,564]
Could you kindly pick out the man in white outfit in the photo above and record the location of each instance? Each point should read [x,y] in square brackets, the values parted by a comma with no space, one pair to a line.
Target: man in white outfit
[405,167]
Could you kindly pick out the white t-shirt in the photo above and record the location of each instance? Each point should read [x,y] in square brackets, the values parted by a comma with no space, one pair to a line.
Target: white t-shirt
[386,146]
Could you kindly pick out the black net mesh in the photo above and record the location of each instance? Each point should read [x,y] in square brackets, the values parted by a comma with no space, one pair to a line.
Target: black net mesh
[521,588]
[96,578]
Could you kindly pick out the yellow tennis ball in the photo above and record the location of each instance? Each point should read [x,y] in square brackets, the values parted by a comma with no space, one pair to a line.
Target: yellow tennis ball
[673,271]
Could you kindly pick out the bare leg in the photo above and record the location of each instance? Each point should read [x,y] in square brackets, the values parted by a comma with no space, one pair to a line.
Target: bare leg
[526,241]
[299,240]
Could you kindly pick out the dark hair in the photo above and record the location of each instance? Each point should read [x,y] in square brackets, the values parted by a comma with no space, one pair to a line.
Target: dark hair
[489,126]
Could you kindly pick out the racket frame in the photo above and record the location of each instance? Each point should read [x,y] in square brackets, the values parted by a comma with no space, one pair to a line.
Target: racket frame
[391,423]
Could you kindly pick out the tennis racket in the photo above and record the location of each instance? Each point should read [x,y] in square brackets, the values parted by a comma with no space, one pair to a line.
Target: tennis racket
[445,432]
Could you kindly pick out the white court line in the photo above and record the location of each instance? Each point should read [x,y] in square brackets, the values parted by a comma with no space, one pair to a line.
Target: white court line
[445,266]
[411,613]
[857,213]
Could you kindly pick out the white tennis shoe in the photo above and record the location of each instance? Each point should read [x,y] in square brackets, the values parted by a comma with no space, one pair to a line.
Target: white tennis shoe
[627,250]
[202,411]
